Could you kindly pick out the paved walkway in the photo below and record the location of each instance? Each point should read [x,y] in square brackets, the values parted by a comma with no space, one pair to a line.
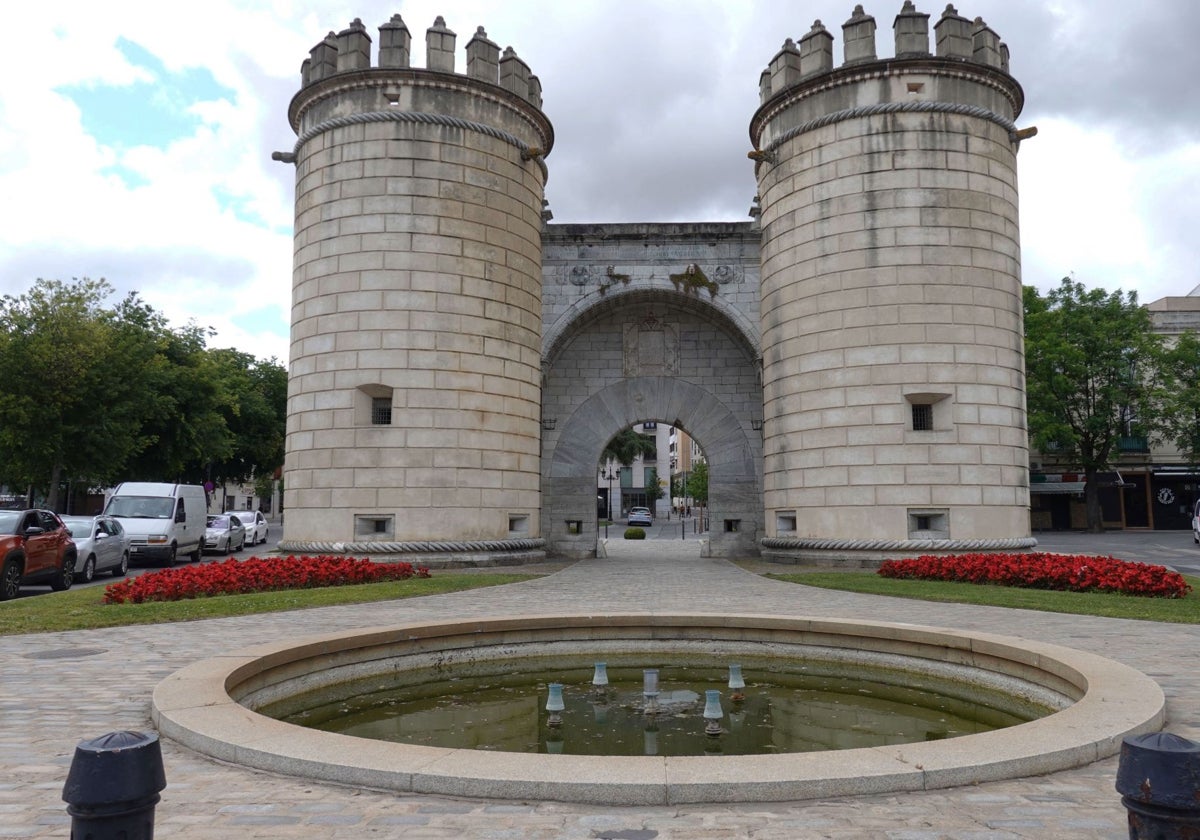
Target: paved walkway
[59,688]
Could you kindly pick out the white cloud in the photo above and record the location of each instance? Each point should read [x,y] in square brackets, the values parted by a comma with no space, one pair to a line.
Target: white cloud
[650,104]
[1091,208]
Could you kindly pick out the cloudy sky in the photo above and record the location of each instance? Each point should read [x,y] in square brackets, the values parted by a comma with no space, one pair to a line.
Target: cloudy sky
[135,137]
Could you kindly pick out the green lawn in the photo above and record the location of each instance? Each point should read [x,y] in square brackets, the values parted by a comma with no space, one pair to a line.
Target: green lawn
[1175,610]
[79,609]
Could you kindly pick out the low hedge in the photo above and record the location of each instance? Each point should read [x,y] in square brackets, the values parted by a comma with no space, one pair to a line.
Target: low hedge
[635,534]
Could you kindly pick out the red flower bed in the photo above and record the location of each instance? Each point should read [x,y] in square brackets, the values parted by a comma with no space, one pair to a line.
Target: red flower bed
[1067,572]
[256,574]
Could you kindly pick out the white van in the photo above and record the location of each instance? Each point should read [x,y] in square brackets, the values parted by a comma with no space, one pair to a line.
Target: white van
[163,521]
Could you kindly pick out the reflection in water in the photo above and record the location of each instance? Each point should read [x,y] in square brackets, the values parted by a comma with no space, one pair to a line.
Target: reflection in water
[793,711]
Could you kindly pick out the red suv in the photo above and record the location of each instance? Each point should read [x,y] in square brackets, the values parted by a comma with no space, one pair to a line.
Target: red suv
[35,547]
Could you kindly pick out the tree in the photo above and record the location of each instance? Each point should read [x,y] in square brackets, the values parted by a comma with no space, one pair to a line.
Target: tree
[70,387]
[697,483]
[1093,365]
[187,427]
[626,446]
[692,487]
[1181,398]
[120,393]
[654,490]
[265,485]
[93,395]
[255,413]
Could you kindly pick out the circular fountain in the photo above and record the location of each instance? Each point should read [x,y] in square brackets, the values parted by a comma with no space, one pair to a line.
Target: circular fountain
[791,705]
[211,707]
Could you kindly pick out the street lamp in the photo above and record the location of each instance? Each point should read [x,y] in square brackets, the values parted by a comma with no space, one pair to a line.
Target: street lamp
[683,507]
[608,474]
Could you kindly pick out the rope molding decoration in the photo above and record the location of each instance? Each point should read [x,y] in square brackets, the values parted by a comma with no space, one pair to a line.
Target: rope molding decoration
[527,152]
[897,545]
[892,108]
[309,546]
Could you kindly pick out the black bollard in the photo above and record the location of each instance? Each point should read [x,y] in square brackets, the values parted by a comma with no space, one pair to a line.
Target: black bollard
[113,786]
[1158,778]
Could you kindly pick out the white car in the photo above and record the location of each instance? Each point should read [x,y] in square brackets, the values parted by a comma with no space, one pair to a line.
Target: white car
[255,524]
[101,544]
[640,516]
[225,534]
[1196,523]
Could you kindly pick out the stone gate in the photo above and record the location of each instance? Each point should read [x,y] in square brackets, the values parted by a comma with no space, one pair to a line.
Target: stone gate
[852,366]
[651,322]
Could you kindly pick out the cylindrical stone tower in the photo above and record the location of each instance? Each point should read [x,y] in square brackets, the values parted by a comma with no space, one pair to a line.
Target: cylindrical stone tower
[893,362]
[414,389]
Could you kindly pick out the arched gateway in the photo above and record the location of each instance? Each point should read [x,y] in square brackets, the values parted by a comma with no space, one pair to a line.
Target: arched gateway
[853,369]
[638,329]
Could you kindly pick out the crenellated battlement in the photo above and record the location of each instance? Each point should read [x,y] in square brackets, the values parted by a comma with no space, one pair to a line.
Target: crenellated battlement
[955,38]
[350,51]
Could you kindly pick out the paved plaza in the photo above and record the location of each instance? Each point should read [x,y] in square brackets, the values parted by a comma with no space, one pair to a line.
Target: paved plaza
[59,688]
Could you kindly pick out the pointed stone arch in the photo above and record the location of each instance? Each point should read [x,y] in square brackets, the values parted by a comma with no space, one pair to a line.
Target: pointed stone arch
[569,482]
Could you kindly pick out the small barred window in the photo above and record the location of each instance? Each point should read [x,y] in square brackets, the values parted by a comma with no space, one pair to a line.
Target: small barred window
[922,417]
[381,411]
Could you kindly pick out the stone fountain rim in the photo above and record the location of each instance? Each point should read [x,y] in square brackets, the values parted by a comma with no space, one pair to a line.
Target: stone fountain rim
[197,707]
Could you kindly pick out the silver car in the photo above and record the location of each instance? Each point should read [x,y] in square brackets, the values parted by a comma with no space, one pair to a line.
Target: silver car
[102,546]
[255,524]
[224,533]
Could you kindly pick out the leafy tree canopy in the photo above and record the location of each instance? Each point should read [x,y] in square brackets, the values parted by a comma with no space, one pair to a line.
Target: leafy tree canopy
[654,490]
[95,394]
[1181,401]
[1093,367]
[697,483]
[626,446]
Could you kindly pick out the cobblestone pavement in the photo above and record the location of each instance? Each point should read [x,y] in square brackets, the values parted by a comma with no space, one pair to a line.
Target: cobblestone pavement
[59,688]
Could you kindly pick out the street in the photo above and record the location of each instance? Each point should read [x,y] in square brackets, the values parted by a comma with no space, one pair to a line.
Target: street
[662,529]
[1174,549]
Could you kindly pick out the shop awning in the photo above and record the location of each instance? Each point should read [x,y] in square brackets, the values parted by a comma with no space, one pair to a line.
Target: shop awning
[1057,487]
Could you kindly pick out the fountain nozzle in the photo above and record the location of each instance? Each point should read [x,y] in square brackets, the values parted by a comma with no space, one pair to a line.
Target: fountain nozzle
[736,683]
[555,705]
[650,690]
[712,712]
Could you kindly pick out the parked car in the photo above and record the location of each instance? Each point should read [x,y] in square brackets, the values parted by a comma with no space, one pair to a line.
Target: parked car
[255,524]
[224,533]
[640,516]
[101,545]
[35,548]
[1196,523]
[163,521]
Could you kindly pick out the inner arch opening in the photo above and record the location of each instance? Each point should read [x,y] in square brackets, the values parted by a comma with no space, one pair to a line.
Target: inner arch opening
[728,441]
[652,484]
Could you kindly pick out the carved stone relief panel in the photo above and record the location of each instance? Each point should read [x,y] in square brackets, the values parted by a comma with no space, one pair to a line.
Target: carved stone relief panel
[725,274]
[651,347]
